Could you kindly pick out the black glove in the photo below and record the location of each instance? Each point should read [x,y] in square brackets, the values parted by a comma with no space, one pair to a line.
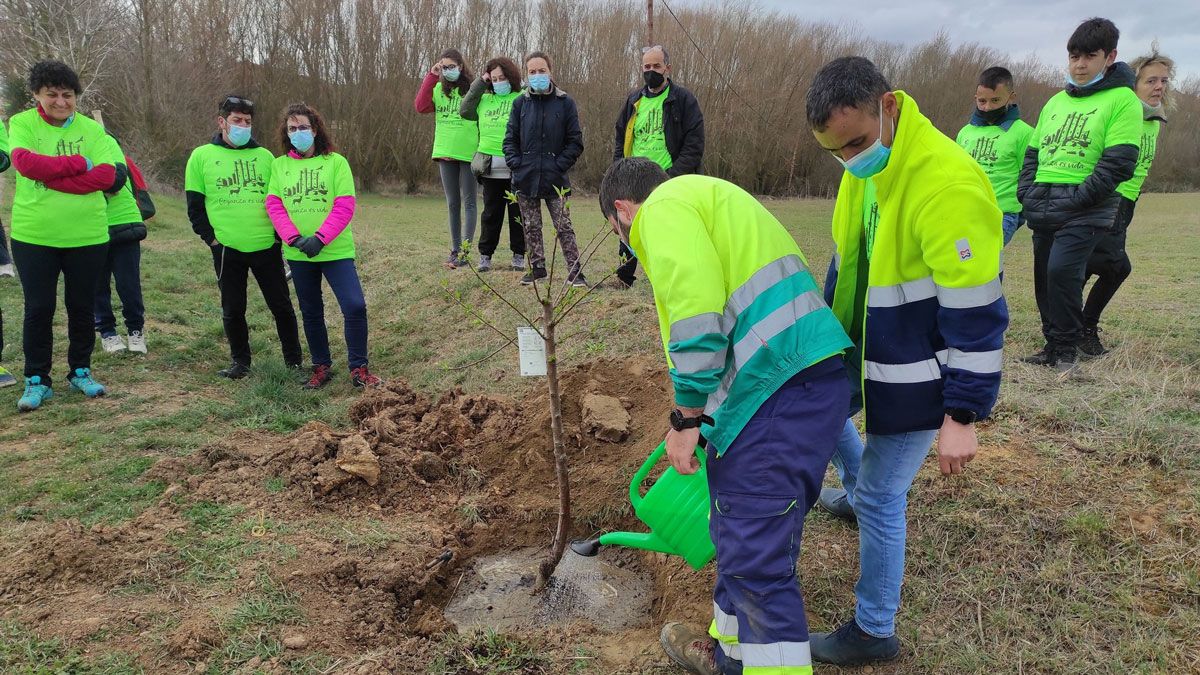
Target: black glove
[310,246]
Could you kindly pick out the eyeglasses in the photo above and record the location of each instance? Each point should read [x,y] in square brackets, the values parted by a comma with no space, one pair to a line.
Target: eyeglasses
[300,127]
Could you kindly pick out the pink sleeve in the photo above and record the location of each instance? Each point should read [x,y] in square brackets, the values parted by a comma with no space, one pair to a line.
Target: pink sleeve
[284,226]
[101,178]
[44,167]
[424,101]
[338,218]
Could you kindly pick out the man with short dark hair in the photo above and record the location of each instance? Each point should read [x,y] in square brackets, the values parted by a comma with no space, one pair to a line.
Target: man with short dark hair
[915,281]
[755,358]
[226,187]
[1086,144]
[662,121]
[997,137]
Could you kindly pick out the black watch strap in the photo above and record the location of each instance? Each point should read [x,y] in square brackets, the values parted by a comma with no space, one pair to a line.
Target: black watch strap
[679,422]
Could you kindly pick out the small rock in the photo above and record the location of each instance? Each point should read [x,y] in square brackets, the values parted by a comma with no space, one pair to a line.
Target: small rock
[295,641]
[91,625]
[605,417]
[355,457]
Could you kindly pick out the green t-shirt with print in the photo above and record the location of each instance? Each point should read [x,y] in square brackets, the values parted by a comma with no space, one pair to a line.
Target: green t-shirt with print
[1072,132]
[234,184]
[649,140]
[1000,153]
[47,217]
[453,135]
[1132,188]
[494,111]
[308,188]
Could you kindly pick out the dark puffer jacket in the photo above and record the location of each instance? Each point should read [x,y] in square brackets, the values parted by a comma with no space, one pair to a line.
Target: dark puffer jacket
[543,142]
[1094,202]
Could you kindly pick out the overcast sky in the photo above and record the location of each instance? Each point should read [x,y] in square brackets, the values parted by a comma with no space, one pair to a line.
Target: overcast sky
[1018,27]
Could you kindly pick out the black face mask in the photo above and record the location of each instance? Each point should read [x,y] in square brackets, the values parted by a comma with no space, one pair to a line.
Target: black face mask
[992,116]
[653,78]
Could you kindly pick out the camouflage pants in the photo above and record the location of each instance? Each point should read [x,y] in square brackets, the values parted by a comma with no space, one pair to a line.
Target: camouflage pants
[531,222]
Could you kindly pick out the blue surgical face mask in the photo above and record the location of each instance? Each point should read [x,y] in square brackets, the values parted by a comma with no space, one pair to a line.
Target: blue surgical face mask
[301,140]
[875,158]
[1099,76]
[540,82]
[238,136]
[451,74]
[502,88]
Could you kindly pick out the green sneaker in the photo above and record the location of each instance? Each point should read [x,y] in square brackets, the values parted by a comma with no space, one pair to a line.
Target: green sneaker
[35,394]
[82,381]
[6,378]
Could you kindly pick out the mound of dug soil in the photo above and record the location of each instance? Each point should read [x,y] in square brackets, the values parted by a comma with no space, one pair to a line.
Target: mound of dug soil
[371,532]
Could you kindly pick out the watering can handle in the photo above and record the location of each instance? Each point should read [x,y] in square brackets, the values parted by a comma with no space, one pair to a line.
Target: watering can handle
[635,496]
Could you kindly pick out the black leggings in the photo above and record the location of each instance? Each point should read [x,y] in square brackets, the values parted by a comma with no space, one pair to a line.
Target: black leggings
[39,268]
[1109,264]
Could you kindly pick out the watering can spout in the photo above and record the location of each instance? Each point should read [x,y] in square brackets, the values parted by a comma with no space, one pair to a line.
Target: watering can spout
[646,541]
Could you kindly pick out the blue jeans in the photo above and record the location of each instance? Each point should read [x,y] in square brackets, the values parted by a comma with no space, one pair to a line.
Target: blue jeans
[343,281]
[877,478]
[125,266]
[1012,223]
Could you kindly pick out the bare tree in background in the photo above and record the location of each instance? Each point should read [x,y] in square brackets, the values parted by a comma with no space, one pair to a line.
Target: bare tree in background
[90,35]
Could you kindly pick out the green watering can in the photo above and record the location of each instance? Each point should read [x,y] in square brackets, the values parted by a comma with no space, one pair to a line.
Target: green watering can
[675,509]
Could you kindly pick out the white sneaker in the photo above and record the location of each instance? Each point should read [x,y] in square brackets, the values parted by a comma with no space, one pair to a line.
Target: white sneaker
[112,344]
[137,342]
[7,270]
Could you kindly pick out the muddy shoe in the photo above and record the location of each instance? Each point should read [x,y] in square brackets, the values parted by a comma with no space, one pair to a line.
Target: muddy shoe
[834,501]
[850,645]
[1091,346]
[689,649]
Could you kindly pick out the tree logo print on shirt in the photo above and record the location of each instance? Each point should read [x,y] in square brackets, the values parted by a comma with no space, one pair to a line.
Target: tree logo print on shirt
[309,184]
[245,176]
[66,148]
[1072,137]
[984,151]
[502,110]
[1146,150]
[652,127]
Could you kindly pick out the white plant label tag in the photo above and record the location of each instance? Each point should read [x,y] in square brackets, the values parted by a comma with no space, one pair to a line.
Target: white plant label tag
[533,352]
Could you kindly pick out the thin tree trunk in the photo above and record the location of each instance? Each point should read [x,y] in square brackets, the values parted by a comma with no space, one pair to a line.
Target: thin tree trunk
[562,531]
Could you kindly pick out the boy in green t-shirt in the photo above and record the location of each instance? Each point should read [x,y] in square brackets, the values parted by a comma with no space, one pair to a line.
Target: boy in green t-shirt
[997,137]
[226,187]
[1084,146]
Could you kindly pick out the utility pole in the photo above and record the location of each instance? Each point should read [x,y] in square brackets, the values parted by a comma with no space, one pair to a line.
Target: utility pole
[649,23]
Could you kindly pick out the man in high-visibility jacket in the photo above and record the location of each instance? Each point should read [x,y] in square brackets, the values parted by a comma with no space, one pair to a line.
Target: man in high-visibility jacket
[755,358]
[915,282]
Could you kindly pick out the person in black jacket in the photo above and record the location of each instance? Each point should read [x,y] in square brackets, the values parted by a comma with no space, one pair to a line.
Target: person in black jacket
[542,143]
[661,121]
[1085,144]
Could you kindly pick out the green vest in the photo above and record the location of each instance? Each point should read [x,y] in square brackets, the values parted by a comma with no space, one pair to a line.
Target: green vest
[649,140]
[47,217]
[234,184]
[1132,188]
[1073,132]
[307,188]
[1000,153]
[493,121]
[453,136]
[738,309]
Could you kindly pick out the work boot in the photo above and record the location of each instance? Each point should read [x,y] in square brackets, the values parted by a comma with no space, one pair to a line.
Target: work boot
[689,649]
[1091,346]
[850,645]
[485,263]
[834,501]
[235,371]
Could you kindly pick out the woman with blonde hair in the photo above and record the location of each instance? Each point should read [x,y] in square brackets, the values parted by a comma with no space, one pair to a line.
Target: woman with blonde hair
[1110,262]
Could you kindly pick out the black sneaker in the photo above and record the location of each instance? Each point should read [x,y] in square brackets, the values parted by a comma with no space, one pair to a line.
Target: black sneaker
[1090,346]
[534,274]
[850,645]
[1045,357]
[1065,360]
[578,280]
[235,371]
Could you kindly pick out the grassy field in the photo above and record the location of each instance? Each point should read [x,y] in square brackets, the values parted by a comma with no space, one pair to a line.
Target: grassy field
[1070,546]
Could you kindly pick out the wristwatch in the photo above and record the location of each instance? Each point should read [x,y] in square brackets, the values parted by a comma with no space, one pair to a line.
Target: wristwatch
[679,422]
[962,415]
